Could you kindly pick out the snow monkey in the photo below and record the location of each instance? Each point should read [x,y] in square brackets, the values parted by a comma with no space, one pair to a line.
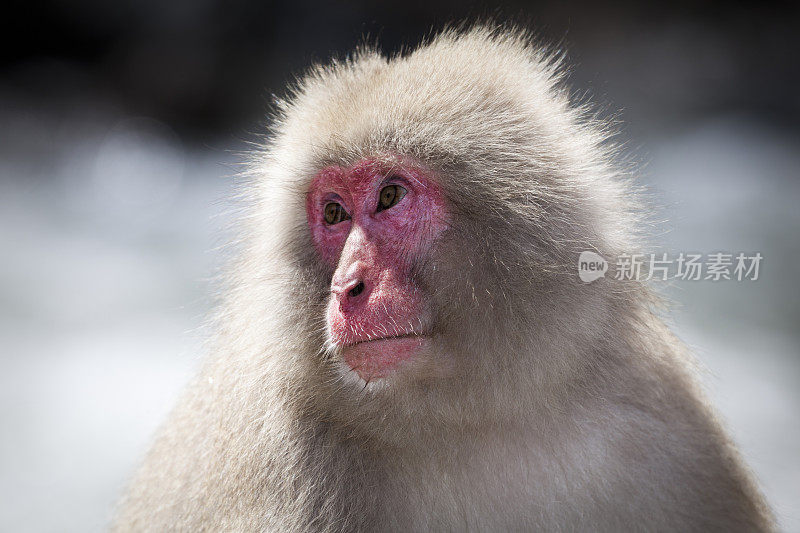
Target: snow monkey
[404,343]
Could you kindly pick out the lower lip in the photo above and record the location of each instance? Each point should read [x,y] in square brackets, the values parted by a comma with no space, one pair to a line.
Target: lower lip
[378,358]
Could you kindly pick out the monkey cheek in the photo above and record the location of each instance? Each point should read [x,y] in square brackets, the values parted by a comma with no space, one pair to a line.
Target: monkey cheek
[379,358]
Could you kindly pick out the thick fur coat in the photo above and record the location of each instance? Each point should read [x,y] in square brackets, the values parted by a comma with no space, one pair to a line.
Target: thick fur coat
[572,407]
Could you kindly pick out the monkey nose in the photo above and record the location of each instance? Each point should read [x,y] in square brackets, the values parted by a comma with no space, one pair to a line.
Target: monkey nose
[349,293]
[355,291]
[350,281]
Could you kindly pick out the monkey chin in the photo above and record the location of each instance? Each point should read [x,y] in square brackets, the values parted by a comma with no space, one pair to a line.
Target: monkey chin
[380,358]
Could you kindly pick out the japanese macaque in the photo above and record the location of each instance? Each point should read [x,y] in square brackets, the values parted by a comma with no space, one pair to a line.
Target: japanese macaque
[404,342]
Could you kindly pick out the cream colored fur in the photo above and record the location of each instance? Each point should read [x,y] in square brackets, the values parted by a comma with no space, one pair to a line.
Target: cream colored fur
[572,407]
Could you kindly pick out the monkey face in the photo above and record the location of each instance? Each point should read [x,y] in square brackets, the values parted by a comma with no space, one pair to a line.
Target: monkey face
[372,224]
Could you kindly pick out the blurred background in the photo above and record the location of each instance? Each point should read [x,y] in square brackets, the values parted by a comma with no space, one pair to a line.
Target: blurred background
[120,125]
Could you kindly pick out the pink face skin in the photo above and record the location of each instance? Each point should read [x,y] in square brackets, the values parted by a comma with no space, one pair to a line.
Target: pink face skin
[376,314]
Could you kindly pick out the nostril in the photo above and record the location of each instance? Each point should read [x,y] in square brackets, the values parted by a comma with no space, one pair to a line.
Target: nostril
[355,291]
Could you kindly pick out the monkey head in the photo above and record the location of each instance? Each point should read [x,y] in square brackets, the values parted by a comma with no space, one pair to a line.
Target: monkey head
[416,228]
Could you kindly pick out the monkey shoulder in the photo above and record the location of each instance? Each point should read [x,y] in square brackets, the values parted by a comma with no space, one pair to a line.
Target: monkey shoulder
[660,457]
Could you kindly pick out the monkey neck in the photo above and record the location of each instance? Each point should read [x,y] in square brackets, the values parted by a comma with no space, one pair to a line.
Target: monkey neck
[405,482]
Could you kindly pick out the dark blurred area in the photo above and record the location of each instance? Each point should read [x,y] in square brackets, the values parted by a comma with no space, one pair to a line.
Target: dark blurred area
[121,127]
[207,68]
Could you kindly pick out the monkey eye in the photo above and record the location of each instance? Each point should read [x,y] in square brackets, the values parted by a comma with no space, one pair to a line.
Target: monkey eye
[390,195]
[335,213]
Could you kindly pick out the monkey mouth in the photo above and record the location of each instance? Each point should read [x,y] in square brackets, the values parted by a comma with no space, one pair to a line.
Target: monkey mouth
[378,357]
[343,335]
[385,338]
